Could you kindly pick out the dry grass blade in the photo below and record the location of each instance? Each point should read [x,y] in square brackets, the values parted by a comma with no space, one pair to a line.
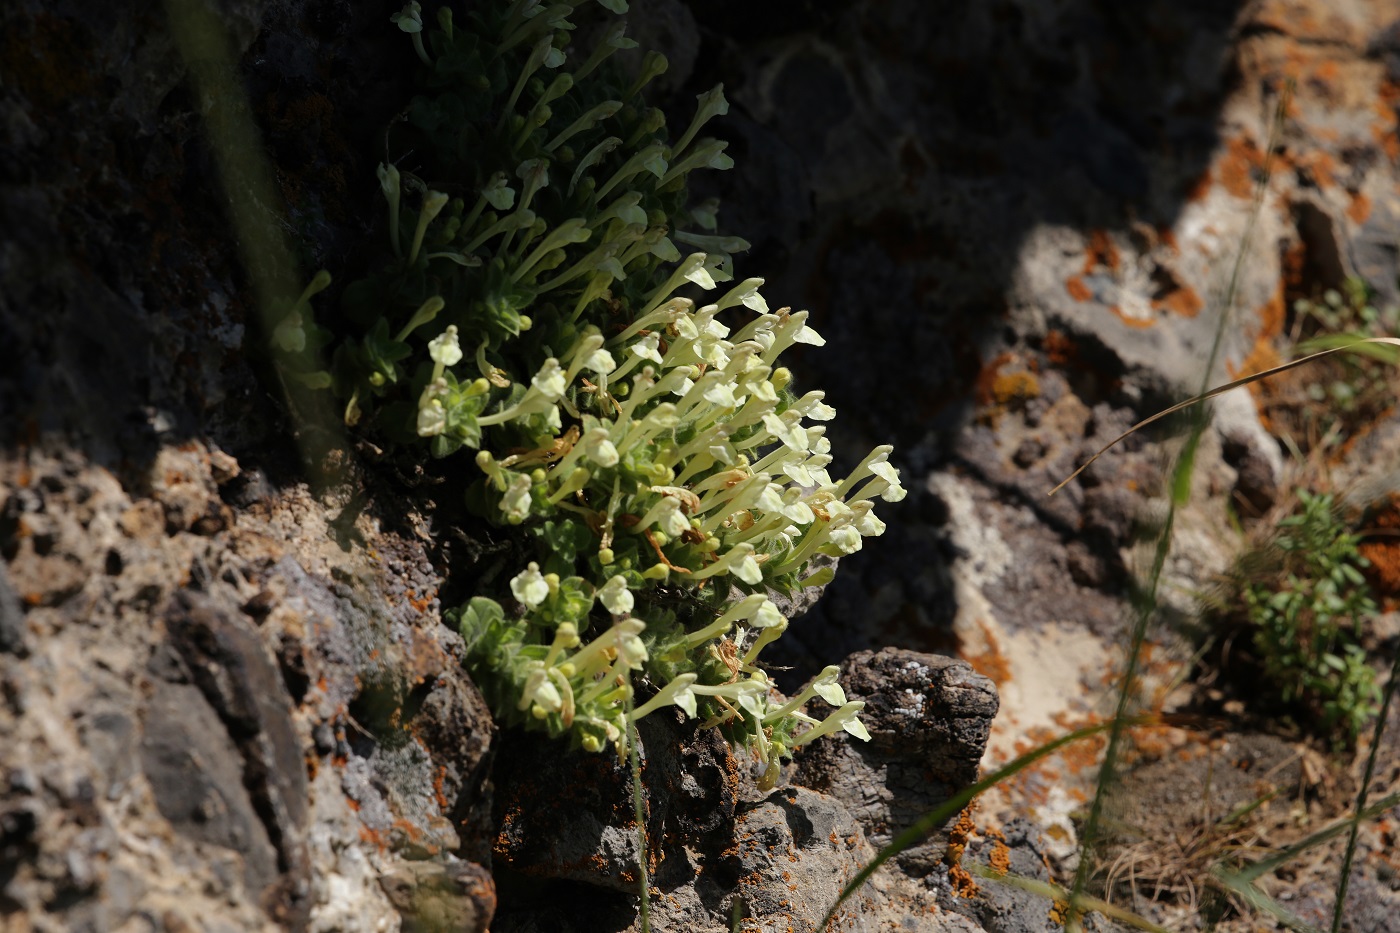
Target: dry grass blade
[1352,346]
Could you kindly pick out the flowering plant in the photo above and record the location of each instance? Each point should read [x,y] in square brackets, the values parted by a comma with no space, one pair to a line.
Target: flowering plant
[649,457]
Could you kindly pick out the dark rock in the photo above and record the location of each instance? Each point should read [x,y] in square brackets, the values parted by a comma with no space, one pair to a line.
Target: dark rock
[196,775]
[589,833]
[11,617]
[928,717]
[233,669]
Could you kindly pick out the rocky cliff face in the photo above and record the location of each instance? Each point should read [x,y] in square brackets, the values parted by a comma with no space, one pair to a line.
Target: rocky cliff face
[229,700]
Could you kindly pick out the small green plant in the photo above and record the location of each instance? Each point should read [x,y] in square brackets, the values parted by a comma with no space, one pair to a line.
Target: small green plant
[656,475]
[1305,623]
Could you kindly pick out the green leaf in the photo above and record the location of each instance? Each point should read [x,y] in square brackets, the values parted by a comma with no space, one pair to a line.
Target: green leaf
[382,352]
[479,621]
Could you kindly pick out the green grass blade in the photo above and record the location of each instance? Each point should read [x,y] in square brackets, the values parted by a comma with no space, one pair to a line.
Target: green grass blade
[1260,901]
[1082,904]
[1145,604]
[1258,869]
[1359,344]
[1361,795]
[954,805]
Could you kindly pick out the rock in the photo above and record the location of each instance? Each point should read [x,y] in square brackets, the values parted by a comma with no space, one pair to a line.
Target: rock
[434,897]
[589,834]
[928,717]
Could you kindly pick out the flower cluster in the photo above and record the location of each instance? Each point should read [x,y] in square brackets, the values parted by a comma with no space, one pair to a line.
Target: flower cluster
[695,465]
[658,475]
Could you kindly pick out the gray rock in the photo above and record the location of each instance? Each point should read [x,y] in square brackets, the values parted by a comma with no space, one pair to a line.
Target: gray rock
[436,897]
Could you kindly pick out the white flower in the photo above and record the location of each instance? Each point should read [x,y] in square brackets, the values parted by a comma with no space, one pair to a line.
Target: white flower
[665,250]
[529,585]
[615,596]
[631,651]
[846,539]
[746,293]
[693,269]
[677,691]
[685,327]
[668,515]
[843,718]
[812,406]
[721,395]
[661,418]
[767,616]
[598,448]
[410,18]
[684,696]
[549,381]
[869,525]
[600,361]
[826,687]
[747,569]
[789,432]
[763,391]
[886,471]
[540,691]
[289,335]
[432,419]
[498,194]
[516,500]
[648,348]
[706,213]
[771,499]
[810,337]
[445,348]
[795,510]
[535,172]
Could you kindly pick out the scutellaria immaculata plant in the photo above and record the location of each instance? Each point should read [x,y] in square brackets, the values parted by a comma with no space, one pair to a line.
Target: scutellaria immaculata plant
[635,433]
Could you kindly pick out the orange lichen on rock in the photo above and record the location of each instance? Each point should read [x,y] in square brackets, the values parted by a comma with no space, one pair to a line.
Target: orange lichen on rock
[1060,350]
[994,387]
[1201,187]
[1383,129]
[1359,208]
[1383,550]
[958,836]
[1101,252]
[1014,387]
[1182,300]
[1272,315]
[1263,356]
[1238,163]
[1000,857]
[1295,262]
[1320,167]
[1138,322]
[992,663]
[1077,289]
